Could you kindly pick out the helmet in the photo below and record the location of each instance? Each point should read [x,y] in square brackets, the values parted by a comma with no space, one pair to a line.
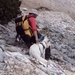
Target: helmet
[34,11]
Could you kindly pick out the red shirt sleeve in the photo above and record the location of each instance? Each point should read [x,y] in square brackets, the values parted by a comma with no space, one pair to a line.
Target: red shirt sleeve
[32,21]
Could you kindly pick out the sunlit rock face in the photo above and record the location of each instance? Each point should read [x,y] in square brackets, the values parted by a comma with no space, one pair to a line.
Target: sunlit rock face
[56,18]
[66,6]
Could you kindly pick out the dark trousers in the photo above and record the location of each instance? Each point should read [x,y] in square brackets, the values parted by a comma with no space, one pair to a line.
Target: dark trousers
[28,40]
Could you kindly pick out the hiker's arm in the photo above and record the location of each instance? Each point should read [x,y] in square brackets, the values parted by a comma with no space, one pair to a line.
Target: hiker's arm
[34,28]
[36,36]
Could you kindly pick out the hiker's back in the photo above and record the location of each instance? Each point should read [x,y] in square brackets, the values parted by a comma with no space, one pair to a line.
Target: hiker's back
[22,26]
[26,26]
[19,28]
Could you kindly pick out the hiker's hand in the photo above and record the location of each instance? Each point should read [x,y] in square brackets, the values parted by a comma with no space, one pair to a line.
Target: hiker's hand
[36,36]
[37,40]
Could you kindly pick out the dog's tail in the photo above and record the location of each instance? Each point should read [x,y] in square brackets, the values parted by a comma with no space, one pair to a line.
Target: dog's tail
[42,61]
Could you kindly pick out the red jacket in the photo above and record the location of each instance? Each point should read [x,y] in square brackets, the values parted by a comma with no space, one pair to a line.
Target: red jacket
[32,22]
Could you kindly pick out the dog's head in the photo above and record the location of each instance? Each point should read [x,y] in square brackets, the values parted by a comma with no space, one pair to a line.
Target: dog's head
[46,41]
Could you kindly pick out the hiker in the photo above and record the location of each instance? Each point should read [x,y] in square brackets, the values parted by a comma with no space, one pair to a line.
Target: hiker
[30,35]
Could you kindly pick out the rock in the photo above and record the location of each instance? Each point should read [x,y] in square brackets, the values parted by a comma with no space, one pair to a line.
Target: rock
[59,27]
[2,42]
[2,55]
[69,60]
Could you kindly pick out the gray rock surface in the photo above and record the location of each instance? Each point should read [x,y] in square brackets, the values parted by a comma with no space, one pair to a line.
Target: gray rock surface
[54,25]
[60,29]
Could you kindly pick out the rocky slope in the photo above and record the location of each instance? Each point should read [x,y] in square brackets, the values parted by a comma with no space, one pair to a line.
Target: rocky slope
[60,29]
[66,6]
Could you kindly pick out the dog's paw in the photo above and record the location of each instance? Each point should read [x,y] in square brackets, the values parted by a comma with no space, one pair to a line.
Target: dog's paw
[48,63]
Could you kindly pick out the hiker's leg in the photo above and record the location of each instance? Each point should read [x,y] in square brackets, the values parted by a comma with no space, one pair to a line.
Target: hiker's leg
[17,35]
[26,39]
[32,40]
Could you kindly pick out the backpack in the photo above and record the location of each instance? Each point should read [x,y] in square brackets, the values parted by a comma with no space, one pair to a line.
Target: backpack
[22,26]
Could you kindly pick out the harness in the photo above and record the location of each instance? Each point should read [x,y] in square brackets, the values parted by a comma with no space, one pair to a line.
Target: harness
[42,45]
[43,48]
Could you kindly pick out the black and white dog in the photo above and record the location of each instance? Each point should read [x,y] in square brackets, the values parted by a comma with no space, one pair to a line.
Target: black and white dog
[38,52]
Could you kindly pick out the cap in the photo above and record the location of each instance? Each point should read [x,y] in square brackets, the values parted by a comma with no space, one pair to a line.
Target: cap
[34,11]
[24,9]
